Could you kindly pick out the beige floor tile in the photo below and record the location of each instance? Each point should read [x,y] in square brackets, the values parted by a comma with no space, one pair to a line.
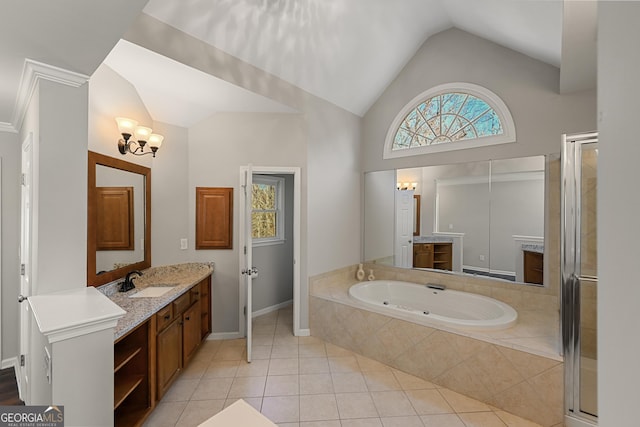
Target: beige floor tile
[318,407]
[284,338]
[266,329]
[461,403]
[181,390]
[257,368]
[348,382]
[284,351]
[314,365]
[281,409]
[316,384]
[165,414]
[355,405]
[222,369]
[312,350]
[427,402]
[329,423]
[362,422]
[381,381]
[230,353]
[282,385]
[481,419]
[261,352]
[262,339]
[240,342]
[195,370]
[197,412]
[344,364]
[392,404]
[256,402]
[247,387]
[515,421]
[442,420]
[292,380]
[211,389]
[410,421]
[310,340]
[283,366]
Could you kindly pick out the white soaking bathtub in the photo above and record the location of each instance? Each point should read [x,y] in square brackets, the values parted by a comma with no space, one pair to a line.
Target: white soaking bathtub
[429,306]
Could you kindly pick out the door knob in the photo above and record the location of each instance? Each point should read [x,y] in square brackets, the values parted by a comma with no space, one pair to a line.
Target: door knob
[22,298]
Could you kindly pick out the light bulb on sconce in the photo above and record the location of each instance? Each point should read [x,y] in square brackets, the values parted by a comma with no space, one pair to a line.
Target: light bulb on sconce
[406,185]
[128,128]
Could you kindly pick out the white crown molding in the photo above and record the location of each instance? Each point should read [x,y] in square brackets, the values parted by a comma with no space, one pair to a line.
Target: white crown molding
[33,72]
[7,127]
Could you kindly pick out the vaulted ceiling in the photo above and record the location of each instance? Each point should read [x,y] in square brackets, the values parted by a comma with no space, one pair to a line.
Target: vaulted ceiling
[344,51]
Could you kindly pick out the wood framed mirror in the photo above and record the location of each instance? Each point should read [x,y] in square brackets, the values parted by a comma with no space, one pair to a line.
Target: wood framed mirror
[130,220]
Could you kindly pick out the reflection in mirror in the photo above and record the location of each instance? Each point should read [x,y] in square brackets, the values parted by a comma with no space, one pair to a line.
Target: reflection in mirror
[118,218]
[482,218]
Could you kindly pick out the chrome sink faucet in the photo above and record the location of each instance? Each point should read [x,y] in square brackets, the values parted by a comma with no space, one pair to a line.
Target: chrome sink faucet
[128,284]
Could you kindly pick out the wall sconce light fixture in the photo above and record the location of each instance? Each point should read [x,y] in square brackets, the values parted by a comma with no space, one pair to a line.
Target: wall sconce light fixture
[143,136]
[406,185]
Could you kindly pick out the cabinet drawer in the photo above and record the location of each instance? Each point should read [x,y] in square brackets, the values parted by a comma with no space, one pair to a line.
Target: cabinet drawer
[164,316]
[181,304]
[195,293]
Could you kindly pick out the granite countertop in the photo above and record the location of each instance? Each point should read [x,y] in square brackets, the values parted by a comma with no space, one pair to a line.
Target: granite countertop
[532,247]
[432,239]
[181,276]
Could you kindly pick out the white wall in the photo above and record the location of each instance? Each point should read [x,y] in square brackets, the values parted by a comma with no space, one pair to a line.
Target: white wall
[527,86]
[10,191]
[331,180]
[57,116]
[618,213]
[218,146]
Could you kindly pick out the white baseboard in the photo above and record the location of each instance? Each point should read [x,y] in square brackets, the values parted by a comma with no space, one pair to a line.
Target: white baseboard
[271,308]
[575,422]
[303,333]
[7,363]
[225,336]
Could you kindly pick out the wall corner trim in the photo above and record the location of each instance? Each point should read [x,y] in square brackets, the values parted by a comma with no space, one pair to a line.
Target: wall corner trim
[32,73]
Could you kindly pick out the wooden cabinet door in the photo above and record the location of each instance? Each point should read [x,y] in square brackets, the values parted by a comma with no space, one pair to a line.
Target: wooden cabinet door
[423,255]
[169,359]
[191,332]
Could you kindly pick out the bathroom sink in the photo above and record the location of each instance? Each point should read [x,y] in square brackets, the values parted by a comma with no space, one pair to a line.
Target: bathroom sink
[152,292]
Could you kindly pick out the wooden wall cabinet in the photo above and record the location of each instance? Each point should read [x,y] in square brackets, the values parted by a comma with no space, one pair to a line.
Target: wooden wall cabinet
[115,228]
[433,255]
[533,267]
[214,218]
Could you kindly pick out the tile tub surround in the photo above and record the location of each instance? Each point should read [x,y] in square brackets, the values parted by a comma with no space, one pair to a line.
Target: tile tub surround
[181,276]
[500,371]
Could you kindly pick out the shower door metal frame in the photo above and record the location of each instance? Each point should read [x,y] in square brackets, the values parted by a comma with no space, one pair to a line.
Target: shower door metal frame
[570,268]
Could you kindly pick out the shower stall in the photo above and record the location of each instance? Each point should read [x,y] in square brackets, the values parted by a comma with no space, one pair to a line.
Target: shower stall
[579,277]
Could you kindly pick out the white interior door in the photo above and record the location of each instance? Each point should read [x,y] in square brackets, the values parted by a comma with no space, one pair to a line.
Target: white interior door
[25,268]
[247,268]
[403,251]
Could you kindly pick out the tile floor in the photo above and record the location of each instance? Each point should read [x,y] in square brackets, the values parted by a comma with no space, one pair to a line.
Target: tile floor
[306,382]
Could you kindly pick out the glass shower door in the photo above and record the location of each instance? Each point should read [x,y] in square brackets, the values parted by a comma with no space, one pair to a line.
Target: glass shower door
[580,274]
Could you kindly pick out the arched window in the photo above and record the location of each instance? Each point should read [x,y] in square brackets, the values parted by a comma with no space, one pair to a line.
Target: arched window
[449,117]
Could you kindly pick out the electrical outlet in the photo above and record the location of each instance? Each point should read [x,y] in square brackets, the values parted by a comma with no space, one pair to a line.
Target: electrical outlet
[450,226]
[481,257]
[183,244]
